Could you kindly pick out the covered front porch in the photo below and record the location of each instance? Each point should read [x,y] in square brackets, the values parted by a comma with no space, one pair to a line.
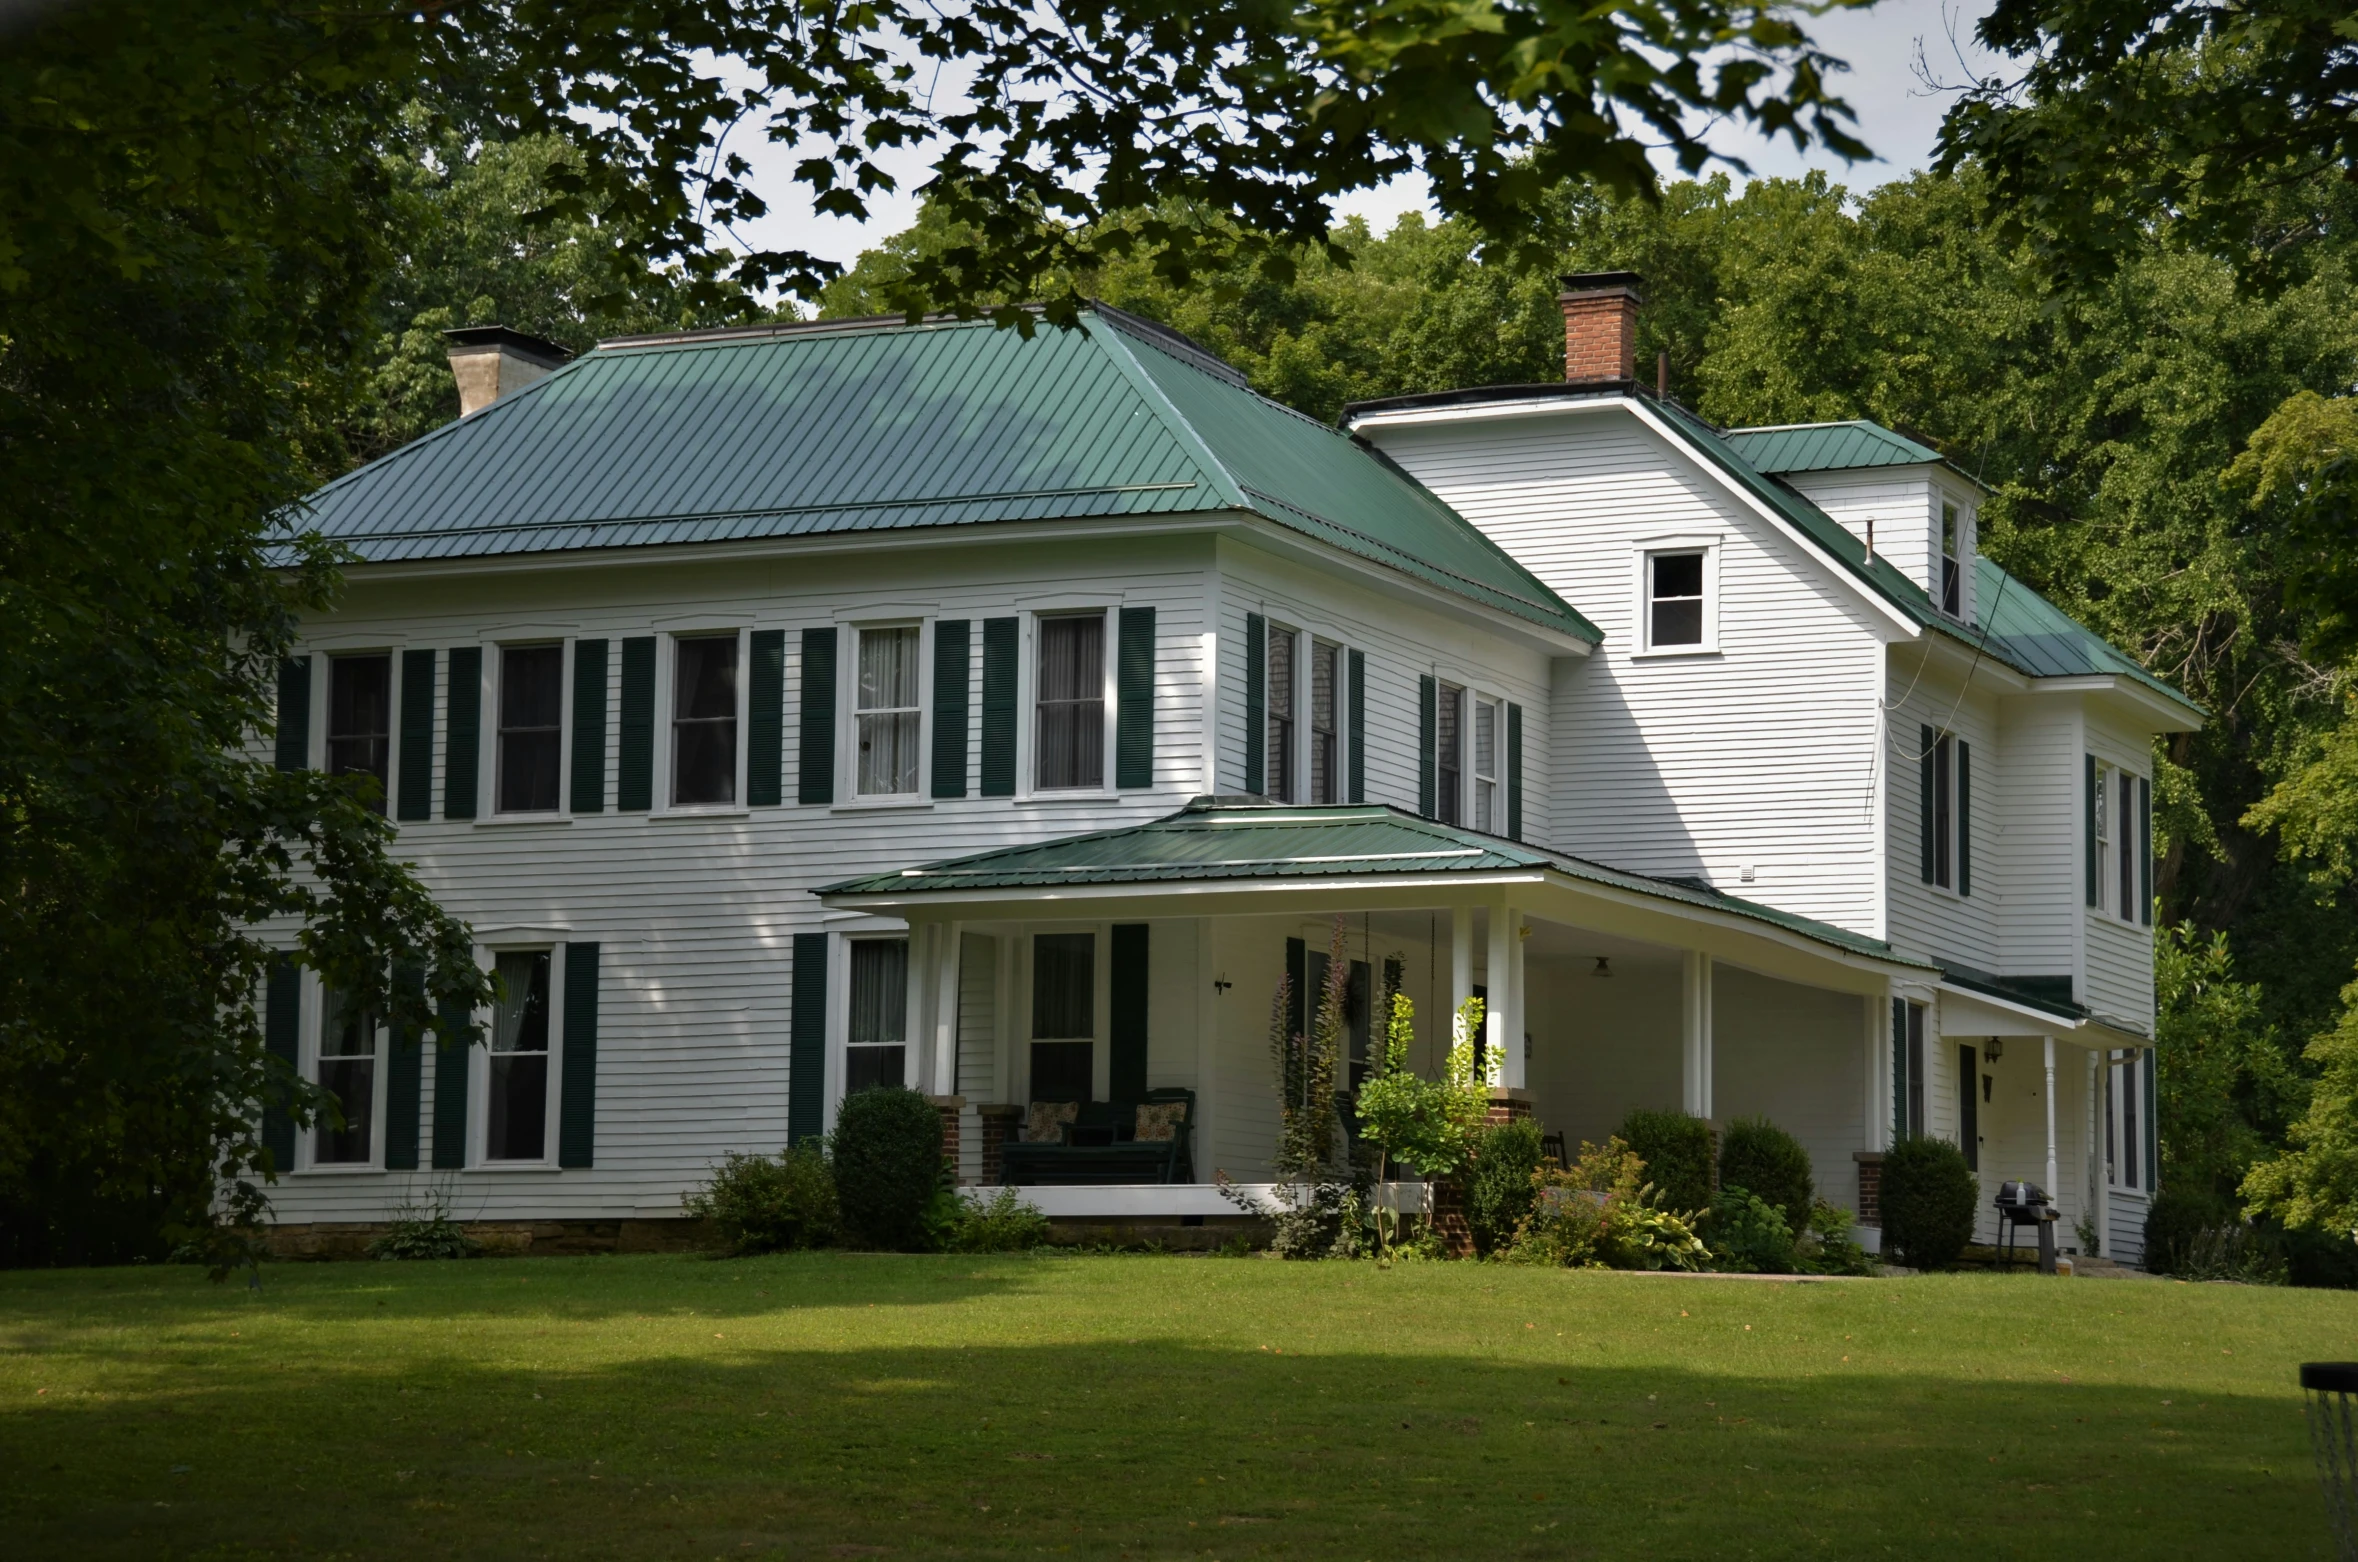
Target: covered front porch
[1142,964]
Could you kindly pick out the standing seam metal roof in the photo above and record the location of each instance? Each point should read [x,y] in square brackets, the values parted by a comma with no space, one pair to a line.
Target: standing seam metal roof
[804,430]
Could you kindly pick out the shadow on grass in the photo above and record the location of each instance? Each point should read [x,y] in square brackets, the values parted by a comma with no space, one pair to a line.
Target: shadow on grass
[1142,1448]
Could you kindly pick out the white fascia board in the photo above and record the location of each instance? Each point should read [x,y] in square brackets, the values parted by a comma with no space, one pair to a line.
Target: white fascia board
[1982,669]
[2001,1016]
[2141,703]
[1483,412]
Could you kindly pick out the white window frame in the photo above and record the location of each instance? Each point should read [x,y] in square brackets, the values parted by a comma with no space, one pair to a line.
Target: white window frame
[1019,1067]
[1946,766]
[1464,800]
[312,1014]
[2107,842]
[847,702]
[2116,1080]
[1312,640]
[667,755]
[323,672]
[1027,690]
[839,1023]
[495,667]
[1475,780]
[488,949]
[1297,750]
[1644,553]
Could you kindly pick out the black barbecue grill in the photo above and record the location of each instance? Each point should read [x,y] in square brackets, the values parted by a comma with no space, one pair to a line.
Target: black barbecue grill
[2026,1204]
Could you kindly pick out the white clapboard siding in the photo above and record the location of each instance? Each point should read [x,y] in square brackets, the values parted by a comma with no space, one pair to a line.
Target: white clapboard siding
[1899,502]
[1173,1033]
[1791,1054]
[1760,756]
[2125,1236]
[2119,948]
[2014,1134]
[2037,863]
[1926,920]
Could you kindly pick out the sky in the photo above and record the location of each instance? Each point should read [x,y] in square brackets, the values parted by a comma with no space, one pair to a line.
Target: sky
[1898,116]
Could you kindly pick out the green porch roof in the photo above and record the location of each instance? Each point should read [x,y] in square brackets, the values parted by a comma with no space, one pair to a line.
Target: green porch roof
[1828,447]
[1241,838]
[834,427]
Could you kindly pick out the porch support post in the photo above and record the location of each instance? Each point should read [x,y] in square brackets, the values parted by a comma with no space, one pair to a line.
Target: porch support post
[2050,1041]
[1519,1064]
[1502,1049]
[1695,1025]
[1461,963]
[945,1009]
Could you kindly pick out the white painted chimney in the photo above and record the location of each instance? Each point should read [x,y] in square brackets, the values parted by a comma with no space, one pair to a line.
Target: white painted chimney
[489,361]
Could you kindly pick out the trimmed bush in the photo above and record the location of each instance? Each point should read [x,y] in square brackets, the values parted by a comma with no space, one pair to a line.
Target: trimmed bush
[1929,1199]
[2176,1217]
[1003,1223]
[1498,1184]
[1677,1151]
[757,1204]
[1748,1235]
[1761,1158]
[887,1150]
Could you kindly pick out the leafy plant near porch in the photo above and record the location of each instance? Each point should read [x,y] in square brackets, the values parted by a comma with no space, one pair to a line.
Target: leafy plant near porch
[1319,1196]
[423,1229]
[1423,1124]
[1603,1213]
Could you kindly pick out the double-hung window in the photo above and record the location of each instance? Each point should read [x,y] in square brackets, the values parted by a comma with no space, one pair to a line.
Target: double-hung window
[516,1107]
[1674,599]
[2125,863]
[2129,1097]
[1069,735]
[1280,746]
[1944,809]
[360,719]
[886,706]
[1952,575]
[1907,1069]
[2108,853]
[1064,1016]
[1489,740]
[704,721]
[876,1055]
[1326,770]
[531,728]
[1449,749]
[347,1071]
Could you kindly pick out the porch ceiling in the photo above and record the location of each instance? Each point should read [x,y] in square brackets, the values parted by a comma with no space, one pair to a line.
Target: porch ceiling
[1228,855]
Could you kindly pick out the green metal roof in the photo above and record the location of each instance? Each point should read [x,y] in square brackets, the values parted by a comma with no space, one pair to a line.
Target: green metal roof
[831,427]
[1216,838]
[1828,447]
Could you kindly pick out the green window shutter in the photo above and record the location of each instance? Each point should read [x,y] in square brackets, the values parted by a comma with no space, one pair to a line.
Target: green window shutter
[1256,696]
[2147,1125]
[1297,970]
[577,1104]
[1134,700]
[815,753]
[294,713]
[2088,799]
[1964,817]
[451,1060]
[634,765]
[1969,1107]
[282,1034]
[1358,792]
[463,732]
[765,720]
[1000,652]
[589,726]
[806,1044]
[2144,852]
[405,1076]
[416,799]
[1514,772]
[1899,1069]
[1928,764]
[1126,1042]
[1428,740]
[953,662]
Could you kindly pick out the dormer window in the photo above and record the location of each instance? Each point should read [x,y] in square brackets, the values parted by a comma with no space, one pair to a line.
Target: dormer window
[1952,577]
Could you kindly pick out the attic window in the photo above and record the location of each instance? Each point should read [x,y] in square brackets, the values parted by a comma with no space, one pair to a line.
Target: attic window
[1952,578]
[1674,600]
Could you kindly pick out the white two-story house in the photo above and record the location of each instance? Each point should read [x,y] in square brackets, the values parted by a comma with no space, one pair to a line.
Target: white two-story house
[796,709]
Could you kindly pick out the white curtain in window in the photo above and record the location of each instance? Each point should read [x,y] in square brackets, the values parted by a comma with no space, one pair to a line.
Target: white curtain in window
[888,711]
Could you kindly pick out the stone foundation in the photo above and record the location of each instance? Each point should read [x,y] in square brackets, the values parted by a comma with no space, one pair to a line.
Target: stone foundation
[323,1240]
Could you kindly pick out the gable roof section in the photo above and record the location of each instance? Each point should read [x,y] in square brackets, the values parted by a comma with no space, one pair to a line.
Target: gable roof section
[838,427]
[1217,838]
[1828,447]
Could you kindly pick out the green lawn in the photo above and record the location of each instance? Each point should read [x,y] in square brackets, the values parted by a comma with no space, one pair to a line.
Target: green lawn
[846,1405]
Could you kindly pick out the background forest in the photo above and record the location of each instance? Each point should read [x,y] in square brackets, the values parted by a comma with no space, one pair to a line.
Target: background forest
[2148,436]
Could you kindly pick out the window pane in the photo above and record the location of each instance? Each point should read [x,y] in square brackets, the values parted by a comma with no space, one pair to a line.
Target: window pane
[1071,732]
[2128,851]
[1678,623]
[1325,782]
[347,1071]
[1678,575]
[531,699]
[517,1121]
[360,718]
[1943,826]
[879,991]
[874,1068]
[1063,1071]
[520,1021]
[704,722]
[888,669]
[1064,985]
[1449,753]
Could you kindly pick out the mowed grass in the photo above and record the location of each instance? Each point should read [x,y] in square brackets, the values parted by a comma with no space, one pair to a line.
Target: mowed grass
[847,1405]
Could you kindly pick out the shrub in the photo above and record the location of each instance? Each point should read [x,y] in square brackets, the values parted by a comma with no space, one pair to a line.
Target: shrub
[887,1149]
[2234,1251]
[2320,1258]
[424,1231]
[760,1204]
[1827,1247]
[1758,1156]
[1602,1212]
[1003,1223]
[1677,1151]
[1499,1190]
[1929,1198]
[2177,1216]
[1748,1235]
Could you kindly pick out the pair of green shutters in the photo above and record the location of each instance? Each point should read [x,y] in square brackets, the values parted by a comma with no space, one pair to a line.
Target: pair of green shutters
[405,1073]
[954,726]
[2138,833]
[1428,756]
[1354,699]
[1931,760]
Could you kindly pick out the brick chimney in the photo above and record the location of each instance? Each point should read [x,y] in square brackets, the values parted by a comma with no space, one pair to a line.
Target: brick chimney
[1600,325]
[490,360]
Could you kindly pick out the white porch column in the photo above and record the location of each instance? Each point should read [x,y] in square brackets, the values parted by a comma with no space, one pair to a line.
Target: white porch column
[917,1013]
[1695,1029]
[1517,1022]
[1461,963]
[945,1008]
[1501,1046]
[2050,1041]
